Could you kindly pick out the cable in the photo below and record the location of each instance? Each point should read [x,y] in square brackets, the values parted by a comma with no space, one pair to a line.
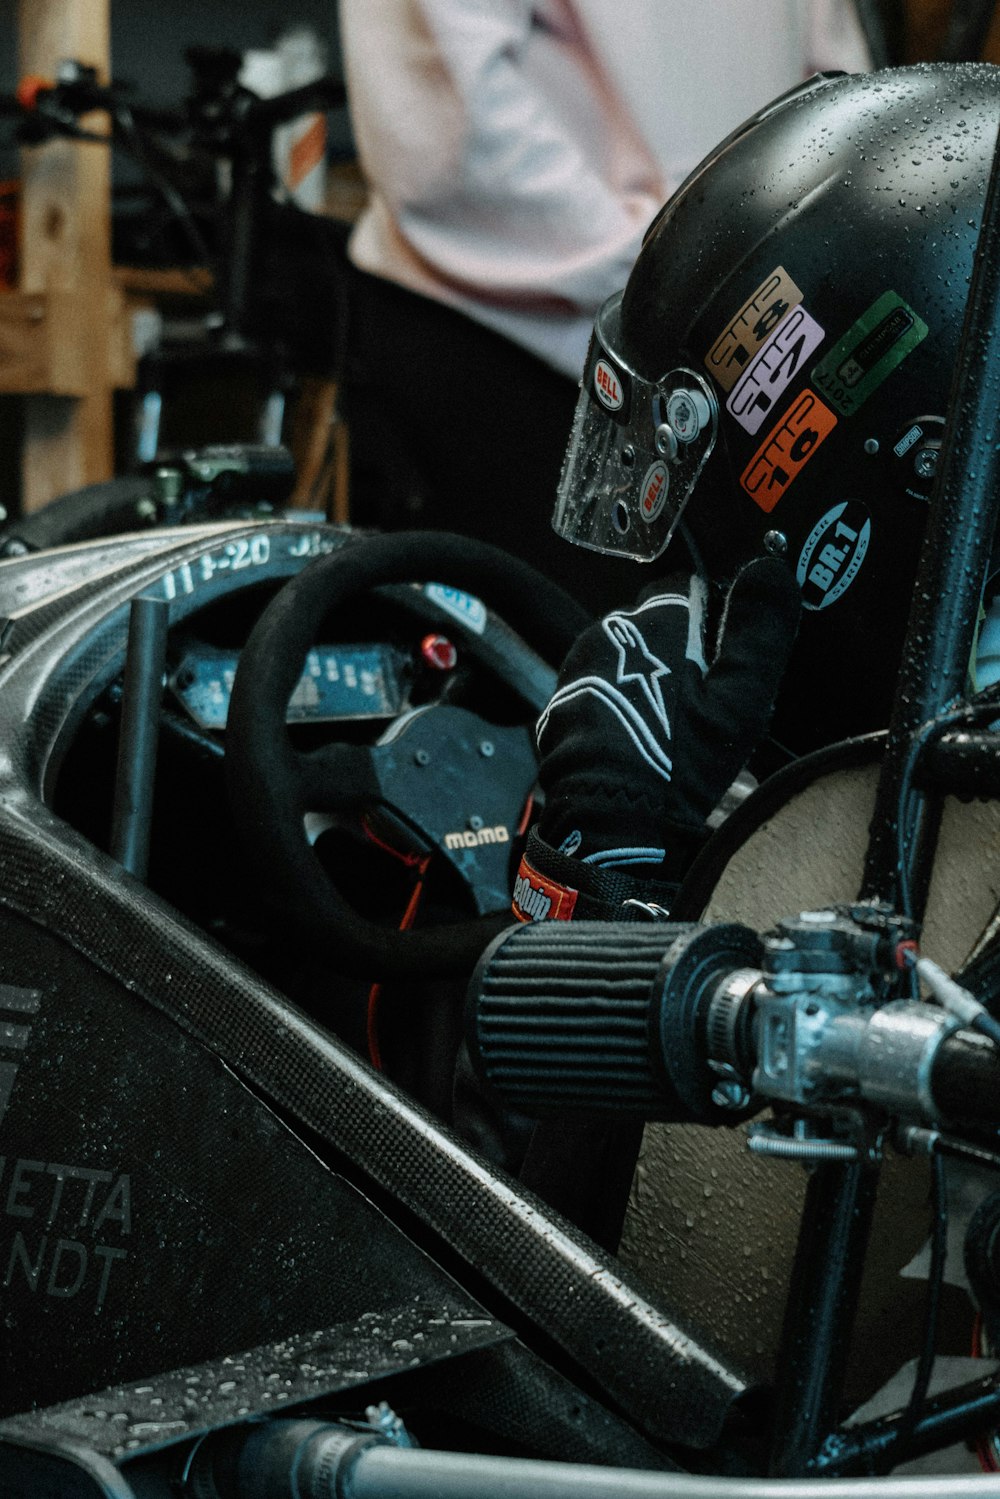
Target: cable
[374,993]
[918,743]
[951,996]
[935,1282]
[956,712]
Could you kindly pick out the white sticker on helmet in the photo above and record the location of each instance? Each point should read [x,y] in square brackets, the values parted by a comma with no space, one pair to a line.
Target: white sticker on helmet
[773,368]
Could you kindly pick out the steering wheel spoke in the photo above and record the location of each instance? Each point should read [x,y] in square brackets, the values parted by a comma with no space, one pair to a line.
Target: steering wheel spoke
[336,777]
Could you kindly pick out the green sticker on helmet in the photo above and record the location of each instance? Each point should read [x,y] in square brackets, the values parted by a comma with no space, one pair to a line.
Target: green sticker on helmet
[869,351]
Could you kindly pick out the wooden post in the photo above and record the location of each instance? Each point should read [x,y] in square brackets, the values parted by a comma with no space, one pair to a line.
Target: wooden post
[66,255]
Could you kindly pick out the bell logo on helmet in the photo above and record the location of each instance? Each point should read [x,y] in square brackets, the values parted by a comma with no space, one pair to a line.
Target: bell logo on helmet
[655,487]
[833,553]
[607,383]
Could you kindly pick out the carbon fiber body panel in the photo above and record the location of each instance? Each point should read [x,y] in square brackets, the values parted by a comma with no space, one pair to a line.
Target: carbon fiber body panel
[149,1037]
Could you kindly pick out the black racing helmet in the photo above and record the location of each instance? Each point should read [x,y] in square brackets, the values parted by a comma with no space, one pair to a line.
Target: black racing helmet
[777,369]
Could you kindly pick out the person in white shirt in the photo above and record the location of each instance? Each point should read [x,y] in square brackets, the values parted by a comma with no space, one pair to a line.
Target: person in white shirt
[515,154]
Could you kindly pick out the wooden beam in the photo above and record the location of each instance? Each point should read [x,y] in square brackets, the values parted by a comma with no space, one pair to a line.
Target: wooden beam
[41,352]
[66,255]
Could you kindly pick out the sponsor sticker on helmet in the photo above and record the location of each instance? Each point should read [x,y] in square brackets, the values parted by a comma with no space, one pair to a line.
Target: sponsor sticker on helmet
[655,488]
[609,385]
[688,413]
[868,352]
[752,326]
[833,553]
[773,368]
[787,449]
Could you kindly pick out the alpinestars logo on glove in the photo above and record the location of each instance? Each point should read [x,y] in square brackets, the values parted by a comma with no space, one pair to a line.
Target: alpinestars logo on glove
[539,899]
[636,697]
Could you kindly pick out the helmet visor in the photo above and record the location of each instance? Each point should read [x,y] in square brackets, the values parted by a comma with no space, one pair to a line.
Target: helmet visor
[635,451]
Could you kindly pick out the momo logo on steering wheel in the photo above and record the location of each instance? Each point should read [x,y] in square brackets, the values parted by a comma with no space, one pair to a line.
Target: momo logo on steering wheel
[476,837]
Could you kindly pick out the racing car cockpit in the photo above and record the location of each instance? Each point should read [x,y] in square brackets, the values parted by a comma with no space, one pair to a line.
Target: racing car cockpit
[261,784]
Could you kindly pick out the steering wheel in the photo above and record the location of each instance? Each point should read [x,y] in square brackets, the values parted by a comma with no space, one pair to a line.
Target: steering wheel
[272,783]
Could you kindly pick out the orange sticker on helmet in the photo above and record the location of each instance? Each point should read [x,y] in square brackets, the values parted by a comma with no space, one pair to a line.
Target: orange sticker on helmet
[787,449]
[752,326]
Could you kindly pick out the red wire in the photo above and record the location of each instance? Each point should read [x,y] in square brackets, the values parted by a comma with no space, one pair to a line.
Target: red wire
[407,920]
[409,859]
[421,862]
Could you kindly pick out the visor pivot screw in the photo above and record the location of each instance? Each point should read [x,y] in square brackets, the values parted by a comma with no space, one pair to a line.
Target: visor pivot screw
[871,446]
[486,748]
[925,462]
[688,413]
[776,543]
[665,441]
[628,456]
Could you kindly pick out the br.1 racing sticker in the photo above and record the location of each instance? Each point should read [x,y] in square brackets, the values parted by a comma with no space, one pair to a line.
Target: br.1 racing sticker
[752,326]
[868,352]
[833,553]
[787,449]
[773,368]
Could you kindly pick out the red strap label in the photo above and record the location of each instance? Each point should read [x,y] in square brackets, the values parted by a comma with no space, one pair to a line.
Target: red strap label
[539,899]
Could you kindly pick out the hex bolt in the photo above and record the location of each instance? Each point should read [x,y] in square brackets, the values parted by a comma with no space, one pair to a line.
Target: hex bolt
[730,1095]
[665,441]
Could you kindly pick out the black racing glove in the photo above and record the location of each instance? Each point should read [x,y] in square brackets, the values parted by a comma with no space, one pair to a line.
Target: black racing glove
[643,736]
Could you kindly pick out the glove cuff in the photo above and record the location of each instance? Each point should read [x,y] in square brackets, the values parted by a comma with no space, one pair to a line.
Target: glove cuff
[553,886]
